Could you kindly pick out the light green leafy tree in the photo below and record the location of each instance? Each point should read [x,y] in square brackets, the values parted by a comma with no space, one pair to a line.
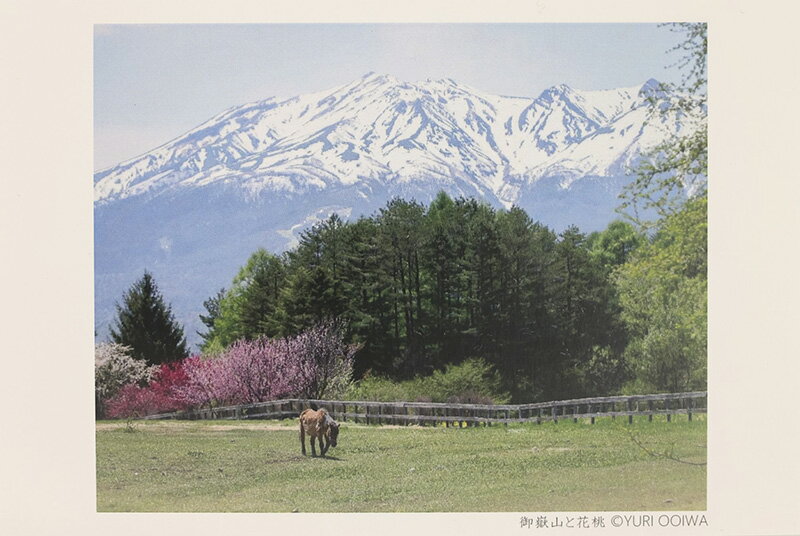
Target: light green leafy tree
[663,294]
[247,309]
[676,169]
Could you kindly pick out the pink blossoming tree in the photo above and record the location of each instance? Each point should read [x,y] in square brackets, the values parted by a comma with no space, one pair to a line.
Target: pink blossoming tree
[317,363]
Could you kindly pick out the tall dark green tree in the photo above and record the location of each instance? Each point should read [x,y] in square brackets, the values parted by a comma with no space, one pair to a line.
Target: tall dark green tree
[526,331]
[366,287]
[400,232]
[145,324]
[482,264]
[443,247]
[212,306]
[314,289]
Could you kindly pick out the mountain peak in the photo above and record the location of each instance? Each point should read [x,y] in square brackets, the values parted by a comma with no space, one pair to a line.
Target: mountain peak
[372,76]
[651,86]
[554,92]
[441,81]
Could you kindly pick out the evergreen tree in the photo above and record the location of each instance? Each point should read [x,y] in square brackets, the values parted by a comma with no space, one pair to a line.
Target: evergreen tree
[259,295]
[482,264]
[400,232]
[368,315]
[314,289]
[526,330]
[145,324]
[212,306]
[581,300]
[444,243]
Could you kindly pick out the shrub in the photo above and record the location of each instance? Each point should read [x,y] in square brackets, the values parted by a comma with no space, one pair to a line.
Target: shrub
[161,395]
[474,378]
[379,389]
[264,369]
[472,382]
[114,368]
[205,381]
[133,401]
[314,364]
[167,383]
[325,361]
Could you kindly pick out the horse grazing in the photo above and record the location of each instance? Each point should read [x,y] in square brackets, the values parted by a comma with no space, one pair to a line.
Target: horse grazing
[319,425]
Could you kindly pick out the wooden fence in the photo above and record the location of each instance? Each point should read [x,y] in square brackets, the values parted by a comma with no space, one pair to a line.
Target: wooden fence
[423,413]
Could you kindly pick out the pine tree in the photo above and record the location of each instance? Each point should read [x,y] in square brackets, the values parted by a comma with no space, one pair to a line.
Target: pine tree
[212,305]
[146,325]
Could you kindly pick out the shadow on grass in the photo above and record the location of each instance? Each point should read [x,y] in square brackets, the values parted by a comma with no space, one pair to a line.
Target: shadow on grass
[326,457]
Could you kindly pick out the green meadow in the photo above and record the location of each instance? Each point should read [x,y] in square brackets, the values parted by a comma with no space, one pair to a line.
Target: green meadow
[256,466]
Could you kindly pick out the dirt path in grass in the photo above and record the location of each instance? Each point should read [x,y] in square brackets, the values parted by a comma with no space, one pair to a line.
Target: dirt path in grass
[172,425]
[183,425]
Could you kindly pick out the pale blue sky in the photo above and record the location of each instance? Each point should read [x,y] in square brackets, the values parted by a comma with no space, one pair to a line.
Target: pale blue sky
[155,82]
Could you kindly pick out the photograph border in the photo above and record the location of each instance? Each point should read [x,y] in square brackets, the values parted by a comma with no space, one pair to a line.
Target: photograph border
[47,224]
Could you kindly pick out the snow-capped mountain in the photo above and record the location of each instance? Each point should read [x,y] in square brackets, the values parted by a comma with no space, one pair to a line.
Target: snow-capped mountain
[192,210]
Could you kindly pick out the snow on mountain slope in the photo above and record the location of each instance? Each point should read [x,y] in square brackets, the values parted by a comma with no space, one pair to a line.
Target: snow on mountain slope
[380,129]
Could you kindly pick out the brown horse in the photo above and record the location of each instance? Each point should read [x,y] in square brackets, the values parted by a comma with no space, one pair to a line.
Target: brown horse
[319,425]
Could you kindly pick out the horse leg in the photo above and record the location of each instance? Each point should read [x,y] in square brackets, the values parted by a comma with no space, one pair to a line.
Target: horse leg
[323,447]
[302,439]
[313,449]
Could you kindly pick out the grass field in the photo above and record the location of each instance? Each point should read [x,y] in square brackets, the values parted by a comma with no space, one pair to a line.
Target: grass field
[256,466]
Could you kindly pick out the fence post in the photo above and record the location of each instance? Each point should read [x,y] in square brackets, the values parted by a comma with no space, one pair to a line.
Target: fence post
[630,408]
[666,405]
[689,406]
[553,411]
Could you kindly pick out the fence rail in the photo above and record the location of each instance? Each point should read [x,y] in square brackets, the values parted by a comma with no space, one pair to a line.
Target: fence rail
[422,413]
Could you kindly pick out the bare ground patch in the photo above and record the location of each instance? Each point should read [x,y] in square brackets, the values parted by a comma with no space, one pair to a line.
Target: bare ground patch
[259,426]
[178,426]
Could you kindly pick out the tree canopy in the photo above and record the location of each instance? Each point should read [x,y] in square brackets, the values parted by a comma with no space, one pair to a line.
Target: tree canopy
[145,324]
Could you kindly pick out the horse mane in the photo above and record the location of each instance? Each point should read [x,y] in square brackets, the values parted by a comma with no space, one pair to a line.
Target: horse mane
[326,417]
